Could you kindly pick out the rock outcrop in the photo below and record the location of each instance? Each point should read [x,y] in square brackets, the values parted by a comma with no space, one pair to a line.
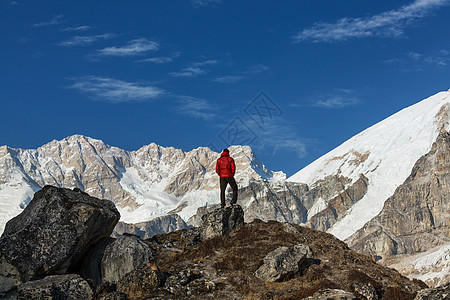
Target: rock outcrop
[439,293]
[69,286]
[53,233]
[222,221]
[282,262]
[122,256]
[416,218]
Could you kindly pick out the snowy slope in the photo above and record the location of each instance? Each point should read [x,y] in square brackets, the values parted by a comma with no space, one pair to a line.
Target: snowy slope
[432,267]
[385,153]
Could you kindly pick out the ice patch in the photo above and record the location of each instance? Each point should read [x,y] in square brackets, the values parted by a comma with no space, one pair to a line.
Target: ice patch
[317,207]
[153,200]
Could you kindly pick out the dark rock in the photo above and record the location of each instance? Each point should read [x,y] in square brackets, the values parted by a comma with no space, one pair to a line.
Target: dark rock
[366,290]
[282,262]
[9,276]
[124,255]
[332,294]
[191,236]
[53,233]
[139,282]
[90,268]
[292,228]
[70,286]
[222,221]
[438,293]
[181,278]
[108,291]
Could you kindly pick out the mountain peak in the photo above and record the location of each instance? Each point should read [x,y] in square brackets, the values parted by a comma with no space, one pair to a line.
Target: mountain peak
[389,150]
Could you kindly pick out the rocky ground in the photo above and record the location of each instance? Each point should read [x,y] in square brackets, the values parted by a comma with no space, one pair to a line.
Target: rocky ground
[60,248]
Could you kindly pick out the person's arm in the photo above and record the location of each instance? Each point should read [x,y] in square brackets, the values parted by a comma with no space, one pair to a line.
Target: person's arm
[233,167]
[217,167]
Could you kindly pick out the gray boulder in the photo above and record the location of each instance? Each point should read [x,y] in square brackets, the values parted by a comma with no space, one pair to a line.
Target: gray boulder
[52,234]
[125,254]
[222,221]
[365,290]
[70,286]
[282,262]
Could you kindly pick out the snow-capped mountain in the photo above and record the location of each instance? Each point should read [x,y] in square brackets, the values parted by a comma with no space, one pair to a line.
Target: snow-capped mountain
[402,214]
[415,219]
[384,153]
[144,184]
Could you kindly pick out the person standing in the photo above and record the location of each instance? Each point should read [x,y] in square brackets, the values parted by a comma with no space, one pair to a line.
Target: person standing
[226,168]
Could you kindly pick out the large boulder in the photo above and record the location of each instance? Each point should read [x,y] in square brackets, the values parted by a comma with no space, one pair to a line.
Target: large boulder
[125,254]
[282,262]
[222,221]
[70,286]
[52,234]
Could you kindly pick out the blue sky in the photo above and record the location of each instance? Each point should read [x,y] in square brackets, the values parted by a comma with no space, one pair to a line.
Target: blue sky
[293,79]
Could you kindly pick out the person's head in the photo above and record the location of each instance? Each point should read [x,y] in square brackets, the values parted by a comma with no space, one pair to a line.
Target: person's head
[226,150]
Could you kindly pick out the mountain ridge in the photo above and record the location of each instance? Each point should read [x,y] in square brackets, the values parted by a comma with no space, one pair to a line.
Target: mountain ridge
[144,183]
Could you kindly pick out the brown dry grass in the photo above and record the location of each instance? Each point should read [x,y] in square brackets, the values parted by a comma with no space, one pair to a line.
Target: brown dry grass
[236,256]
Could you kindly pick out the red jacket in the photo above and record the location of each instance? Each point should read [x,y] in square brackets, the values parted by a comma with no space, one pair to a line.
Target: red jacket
[225,166]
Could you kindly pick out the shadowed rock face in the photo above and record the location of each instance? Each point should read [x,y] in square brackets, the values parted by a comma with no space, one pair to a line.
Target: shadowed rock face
[54,232]
[416,218]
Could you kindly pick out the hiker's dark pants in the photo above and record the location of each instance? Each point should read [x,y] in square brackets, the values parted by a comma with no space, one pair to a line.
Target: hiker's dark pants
[224,181]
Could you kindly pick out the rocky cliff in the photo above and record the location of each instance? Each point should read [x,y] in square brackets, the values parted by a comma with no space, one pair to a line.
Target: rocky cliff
[416,218]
